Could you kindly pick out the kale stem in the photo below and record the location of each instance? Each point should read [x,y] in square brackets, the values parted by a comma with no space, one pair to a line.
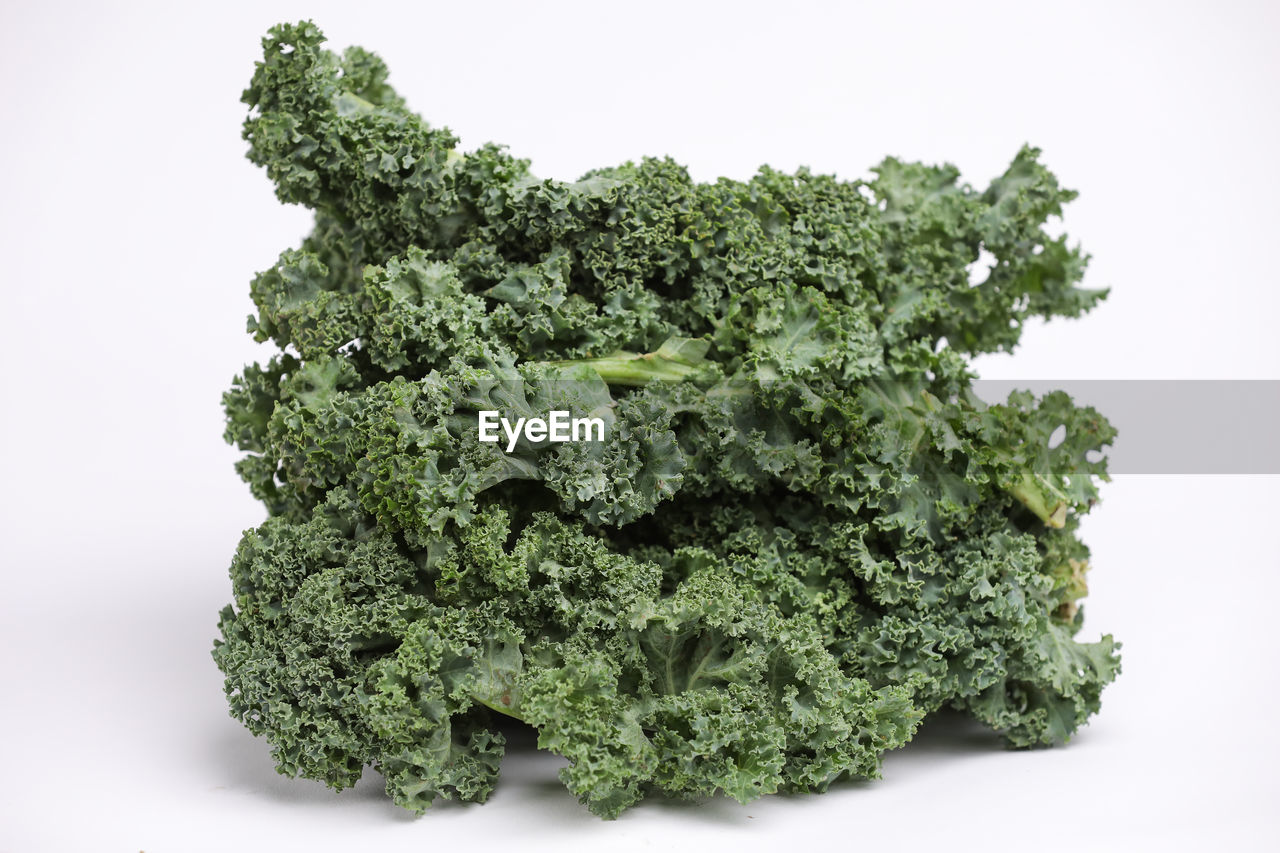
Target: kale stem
[675,360]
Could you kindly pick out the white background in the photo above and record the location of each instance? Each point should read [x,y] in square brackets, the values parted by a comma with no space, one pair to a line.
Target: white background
[130,225]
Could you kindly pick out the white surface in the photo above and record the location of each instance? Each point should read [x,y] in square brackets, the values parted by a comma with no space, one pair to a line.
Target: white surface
[130,226]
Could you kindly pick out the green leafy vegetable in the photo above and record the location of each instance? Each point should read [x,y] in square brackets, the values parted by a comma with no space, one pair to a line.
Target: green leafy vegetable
[802,534]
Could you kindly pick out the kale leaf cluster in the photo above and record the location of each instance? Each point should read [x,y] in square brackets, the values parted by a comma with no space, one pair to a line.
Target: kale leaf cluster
[803,534]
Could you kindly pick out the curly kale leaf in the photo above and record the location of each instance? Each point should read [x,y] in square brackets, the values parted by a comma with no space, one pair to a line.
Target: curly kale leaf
[346,649]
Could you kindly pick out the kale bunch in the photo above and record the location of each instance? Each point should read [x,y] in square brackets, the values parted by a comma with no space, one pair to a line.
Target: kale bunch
[802,534]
